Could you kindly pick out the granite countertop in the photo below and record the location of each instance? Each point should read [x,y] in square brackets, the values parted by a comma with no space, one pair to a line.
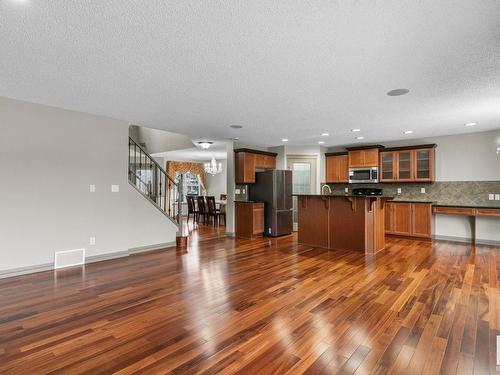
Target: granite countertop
[345,195]
[493,204]
[450,204]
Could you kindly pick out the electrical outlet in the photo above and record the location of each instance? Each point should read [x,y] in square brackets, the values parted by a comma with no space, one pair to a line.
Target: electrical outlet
[422,190]
[92,188]
[497,197]
[399,190]
[346,190]
[92,241]
[243,191]
[115,188]
[491,197]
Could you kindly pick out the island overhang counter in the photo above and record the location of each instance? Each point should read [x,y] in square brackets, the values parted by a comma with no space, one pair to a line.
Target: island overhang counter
[342,222]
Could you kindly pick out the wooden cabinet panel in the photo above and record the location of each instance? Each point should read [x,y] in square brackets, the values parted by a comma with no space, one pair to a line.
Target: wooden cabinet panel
[246,162]
[245,168]
[388,219]
[409,219]
[423,165]
[371,157]
[343,168]
[388,162]
[408,164]
[495,212]
[421,220]
[313,219]
[405,166]
[466,211]
[363,158]
[258,219]
[356,159]
[337,169]
[249,219]
[402,219]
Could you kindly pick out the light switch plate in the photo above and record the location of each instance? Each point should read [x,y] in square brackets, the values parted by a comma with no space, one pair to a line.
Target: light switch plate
[497,197]
[491,197]
[115,188]
[92,188]
[236,191]
[92,241]
[422,190]
[399,190]
[346,190]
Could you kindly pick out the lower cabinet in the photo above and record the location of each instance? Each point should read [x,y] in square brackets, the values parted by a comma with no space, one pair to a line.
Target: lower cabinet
[249,219]
[409,219]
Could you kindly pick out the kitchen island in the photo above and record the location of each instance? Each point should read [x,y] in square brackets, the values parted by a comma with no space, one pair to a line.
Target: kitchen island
[342,222]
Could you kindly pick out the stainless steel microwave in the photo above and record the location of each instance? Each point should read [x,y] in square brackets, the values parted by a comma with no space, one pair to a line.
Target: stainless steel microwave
[363,175]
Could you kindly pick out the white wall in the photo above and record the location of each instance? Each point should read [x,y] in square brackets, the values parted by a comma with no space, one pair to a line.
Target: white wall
[147,226]
[464,157]
[217,184]
[48,158]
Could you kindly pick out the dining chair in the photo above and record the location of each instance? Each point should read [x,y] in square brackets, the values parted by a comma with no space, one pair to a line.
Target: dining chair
[202,209]
[213,211]
[191,208]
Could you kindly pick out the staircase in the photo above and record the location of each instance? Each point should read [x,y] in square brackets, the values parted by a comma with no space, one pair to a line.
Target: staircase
[151,180]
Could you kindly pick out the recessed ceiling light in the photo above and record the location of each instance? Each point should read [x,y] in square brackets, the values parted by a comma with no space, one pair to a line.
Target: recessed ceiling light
[321,142]
[325,134]
[356,130]
[409,132]
[205,144]
[398,92]
[469,124]
[360,137]
[235,126]
[284,140]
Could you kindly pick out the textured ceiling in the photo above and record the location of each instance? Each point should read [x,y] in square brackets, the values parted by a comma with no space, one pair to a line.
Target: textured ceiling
[289,69]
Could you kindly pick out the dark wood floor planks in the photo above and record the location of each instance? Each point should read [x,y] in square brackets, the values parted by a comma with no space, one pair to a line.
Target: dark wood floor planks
[259,306]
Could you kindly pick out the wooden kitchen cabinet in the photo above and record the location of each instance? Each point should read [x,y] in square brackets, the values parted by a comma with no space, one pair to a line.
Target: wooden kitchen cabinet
[408,164]
[249,219]
[388,162]
[409,219]
[421,220]
[359,157]
[247,161]
[337,168]
[423,164]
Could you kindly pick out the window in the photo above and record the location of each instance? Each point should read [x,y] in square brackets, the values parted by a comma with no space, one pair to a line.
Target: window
[190,184]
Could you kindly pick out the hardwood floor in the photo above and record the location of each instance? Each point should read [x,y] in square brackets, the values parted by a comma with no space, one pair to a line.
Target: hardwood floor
[256,307]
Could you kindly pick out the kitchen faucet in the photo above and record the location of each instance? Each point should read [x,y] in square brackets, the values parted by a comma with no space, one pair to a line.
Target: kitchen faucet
[323,189]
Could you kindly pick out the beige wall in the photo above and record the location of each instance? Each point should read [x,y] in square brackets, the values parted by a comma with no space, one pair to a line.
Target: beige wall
[49,157]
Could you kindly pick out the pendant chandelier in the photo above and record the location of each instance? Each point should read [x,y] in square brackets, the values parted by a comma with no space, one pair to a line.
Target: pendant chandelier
[213,167]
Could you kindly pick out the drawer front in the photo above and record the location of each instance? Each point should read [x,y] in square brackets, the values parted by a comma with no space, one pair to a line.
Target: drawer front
[466,211]
[488,212]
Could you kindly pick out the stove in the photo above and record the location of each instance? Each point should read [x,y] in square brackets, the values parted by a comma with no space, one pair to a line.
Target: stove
[367,191]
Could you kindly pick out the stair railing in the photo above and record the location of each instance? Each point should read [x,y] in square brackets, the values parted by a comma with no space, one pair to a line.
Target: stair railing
[153,182]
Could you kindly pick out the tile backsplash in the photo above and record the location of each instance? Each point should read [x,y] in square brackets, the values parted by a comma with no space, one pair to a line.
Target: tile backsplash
[243,193]
[443,192]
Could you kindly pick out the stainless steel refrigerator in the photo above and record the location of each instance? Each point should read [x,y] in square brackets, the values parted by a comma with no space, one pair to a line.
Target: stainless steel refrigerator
[274,188]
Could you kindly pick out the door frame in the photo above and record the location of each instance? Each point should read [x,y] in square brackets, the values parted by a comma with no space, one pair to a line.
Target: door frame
[315,161]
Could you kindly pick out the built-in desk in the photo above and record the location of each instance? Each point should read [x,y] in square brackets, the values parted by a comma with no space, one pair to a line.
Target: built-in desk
[469,211]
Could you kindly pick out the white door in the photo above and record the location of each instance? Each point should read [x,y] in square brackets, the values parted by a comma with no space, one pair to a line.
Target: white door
[303,179]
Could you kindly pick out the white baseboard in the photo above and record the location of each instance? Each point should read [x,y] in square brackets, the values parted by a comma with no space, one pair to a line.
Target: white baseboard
[479,241]
[144,249]
[92,259]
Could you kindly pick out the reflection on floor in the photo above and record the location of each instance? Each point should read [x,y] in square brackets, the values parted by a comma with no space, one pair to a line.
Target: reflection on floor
[254,307]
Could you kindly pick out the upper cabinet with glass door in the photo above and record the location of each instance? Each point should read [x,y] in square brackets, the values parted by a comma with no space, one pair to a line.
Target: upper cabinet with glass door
[408,164]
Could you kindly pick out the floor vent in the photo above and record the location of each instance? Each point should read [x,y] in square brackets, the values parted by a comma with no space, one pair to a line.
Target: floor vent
[69,258]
